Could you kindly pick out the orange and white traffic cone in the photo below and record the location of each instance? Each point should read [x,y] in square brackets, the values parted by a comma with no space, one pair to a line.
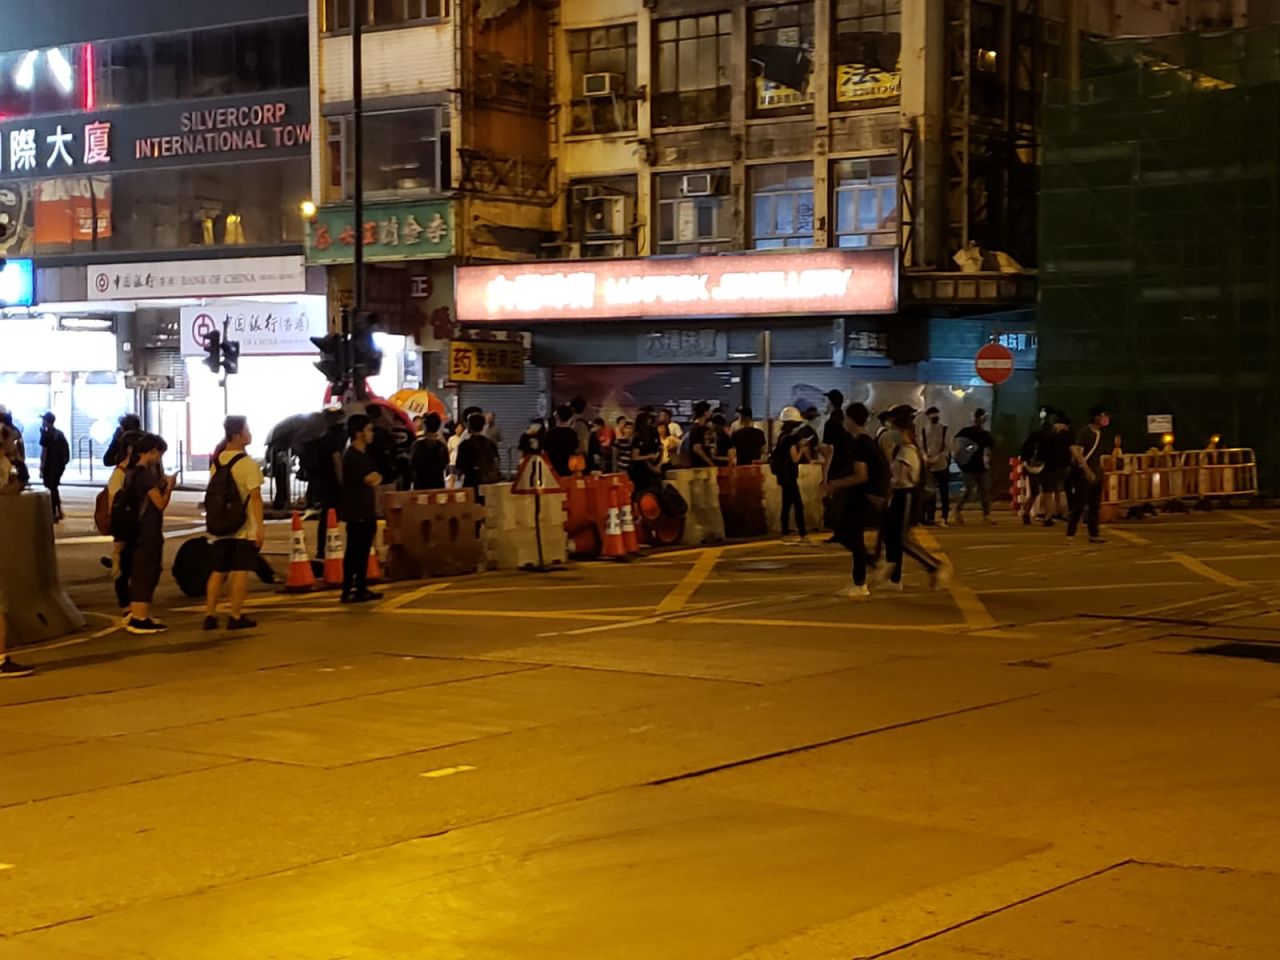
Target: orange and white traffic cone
[373,573]
[615,546]
[301,578]
[333,551]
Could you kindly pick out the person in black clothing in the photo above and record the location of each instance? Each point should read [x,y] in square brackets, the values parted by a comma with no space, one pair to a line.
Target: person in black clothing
[646,453]
[530,441]
[561,441]
[1086,475]
[360,480]
[129,423]
[837,458]
[861,494]
[55,454]
[697,449]
[429,456]
[149,490]
[794,446]
[478,462]
[1053,481]
[719,441]
[323,458]
[975,467]
[748,440]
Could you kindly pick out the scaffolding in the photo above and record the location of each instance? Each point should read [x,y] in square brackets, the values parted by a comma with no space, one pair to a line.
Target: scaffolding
[1159,235]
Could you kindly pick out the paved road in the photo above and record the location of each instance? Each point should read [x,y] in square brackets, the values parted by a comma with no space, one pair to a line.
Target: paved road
[700,755]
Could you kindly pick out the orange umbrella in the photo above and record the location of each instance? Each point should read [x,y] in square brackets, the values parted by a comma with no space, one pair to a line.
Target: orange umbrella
[418,403]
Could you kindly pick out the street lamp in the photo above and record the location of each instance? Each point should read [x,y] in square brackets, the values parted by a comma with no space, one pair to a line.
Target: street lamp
[307,209]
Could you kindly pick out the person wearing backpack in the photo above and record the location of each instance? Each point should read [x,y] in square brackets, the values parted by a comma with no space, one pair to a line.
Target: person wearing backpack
[478,458]
[120,563]
[907,476]
[793,448]
[233,516]
[138,516]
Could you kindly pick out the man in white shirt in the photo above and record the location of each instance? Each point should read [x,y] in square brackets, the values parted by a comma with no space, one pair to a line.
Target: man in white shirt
[935,444]
[235,555]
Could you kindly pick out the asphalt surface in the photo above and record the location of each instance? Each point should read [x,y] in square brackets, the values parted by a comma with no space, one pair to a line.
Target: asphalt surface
[701,754]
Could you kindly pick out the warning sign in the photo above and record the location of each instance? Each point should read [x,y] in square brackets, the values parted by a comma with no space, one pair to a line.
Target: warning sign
[536,476]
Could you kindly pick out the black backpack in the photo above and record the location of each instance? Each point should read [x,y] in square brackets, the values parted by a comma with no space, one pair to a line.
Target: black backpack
[488,470]
[125,510]
[225,512]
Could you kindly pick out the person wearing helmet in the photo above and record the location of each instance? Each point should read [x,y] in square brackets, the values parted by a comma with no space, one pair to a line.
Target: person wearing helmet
[794,446]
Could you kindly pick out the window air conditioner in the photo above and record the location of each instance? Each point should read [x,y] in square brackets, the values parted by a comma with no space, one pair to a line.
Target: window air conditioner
[600,85]
[698,185]
[605,216]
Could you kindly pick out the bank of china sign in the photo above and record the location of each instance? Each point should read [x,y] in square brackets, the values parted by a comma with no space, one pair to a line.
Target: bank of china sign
[819,282]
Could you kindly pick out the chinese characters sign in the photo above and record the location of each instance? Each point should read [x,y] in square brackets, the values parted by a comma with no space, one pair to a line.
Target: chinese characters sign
[155,136]
[488,361]
[683,346]
[196,278]
[261,329]
[856,81]
[391,231]
[728,285]
[1017,342]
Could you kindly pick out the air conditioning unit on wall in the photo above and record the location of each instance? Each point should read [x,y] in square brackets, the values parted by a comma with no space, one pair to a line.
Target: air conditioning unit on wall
[609,248]
[604,216]
[600,85]
[698,185]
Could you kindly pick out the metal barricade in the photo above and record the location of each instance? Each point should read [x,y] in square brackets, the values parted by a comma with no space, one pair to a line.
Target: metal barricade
[1134,481]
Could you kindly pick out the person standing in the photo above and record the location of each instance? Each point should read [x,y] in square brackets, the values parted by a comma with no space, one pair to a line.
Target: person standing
[906,474]
[429,457]
[973,453]
[793,448]
[719,440]
[837,461]
[935,444]
[698,447]
[1086,475]
[623,446]
[235,555]
[673,428]
[646,454]
[360,481]
[55,454]
[748,439]
[861,492]
[478,463]
[9,486]
[128,423]
[561,441]
[147,491]
[580,424]
[323,457]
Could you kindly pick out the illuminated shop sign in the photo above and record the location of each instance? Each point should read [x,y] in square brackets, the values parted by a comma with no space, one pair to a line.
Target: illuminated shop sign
[130,138]
[824,281]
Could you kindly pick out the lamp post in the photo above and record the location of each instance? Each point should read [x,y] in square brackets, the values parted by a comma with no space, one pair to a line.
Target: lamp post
[357,136]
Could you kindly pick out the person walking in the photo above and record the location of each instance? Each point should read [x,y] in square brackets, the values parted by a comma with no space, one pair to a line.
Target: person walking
[234,494]
[360,480]
[973,453]
[906,473]
[429,457]
[146,496]
[861,493]
[55,454]
[792,449]
[1086,476]
[935,444]
[10,486]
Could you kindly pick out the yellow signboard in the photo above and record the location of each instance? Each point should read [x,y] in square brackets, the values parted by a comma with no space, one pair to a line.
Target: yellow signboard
[856,81]
[771,94]
[487,361]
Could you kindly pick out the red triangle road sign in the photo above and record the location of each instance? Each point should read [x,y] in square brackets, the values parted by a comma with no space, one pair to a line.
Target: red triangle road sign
[535,476]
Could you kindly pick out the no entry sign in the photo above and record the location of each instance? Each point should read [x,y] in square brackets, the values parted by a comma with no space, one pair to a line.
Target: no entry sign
[994,363]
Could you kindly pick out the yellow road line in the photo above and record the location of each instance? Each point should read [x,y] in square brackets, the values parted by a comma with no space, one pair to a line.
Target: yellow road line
[509,614]
[1131,537]
[1196,566]
[1089,586]
[680,594]
[833,624]
[976,615]
[691,551]
[395,603]
[1244,517]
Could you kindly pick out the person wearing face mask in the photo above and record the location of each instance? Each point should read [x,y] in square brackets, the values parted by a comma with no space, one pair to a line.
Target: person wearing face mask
[1086,475]
[935,444]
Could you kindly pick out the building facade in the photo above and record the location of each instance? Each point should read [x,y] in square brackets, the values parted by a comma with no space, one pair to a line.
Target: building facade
[152,163]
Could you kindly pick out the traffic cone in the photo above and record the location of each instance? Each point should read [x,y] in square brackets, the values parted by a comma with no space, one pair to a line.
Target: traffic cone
[629,541]
[333,551]
[373,573]
[301,577]
[615,546]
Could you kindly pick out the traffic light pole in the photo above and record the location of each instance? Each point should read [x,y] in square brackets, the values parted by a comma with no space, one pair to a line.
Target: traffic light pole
[357,136]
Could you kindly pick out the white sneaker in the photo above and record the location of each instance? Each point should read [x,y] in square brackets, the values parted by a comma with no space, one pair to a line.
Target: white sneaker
[941,578]
[889,586]
[855,592]
[957,520]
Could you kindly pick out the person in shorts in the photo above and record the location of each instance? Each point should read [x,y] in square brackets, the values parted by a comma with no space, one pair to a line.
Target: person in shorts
[236,556]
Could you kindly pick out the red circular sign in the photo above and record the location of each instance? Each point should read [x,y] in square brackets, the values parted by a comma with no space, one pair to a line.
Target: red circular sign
[994,363]
[201,327]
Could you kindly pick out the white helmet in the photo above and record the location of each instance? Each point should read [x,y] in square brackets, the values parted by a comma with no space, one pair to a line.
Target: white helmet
[790,415]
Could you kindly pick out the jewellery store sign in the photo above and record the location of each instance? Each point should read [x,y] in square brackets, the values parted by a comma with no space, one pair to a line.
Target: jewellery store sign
[391,231]
[230,129]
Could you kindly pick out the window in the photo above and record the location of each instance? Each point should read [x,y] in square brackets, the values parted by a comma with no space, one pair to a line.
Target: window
[866,202]
[694,212]
[42,81]
[782,206]
[382,13]
[171,67]
[782,58]
[693,70]
[404,150]
[867,42]
[214,62]
[603,67]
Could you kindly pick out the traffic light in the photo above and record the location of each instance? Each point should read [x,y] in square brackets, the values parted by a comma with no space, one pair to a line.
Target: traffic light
[366,357]
[332,362]
[231,356]
[213,350]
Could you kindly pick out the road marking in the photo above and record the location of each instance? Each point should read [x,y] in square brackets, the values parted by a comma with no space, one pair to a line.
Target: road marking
[1089,586]
[6,866]
[698,573]
[691,551]
[833,624]
[1195,566]
[446,771]
[1131,537]
[395,603]
[1245,518]
[97,538]
[513,614]
[976,615]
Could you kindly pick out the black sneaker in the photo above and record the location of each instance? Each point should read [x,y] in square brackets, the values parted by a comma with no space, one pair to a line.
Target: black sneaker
[241,623]
[10,669]
[145,627]
[211,623]
[1097,540]
[366,596]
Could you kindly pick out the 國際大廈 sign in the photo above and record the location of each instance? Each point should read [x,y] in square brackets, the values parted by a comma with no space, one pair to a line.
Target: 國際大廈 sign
[264,127]
[729,285]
